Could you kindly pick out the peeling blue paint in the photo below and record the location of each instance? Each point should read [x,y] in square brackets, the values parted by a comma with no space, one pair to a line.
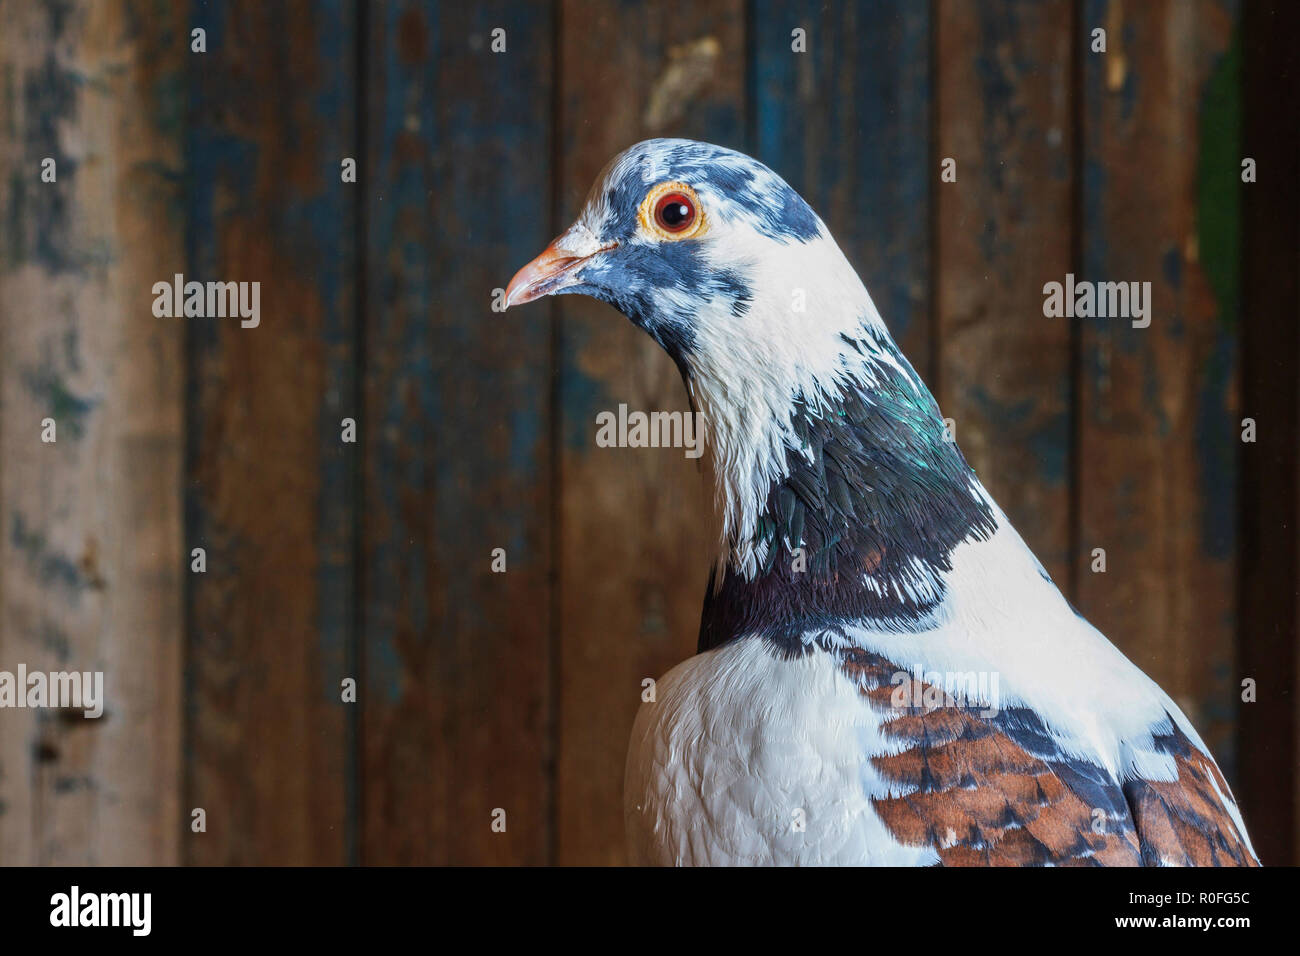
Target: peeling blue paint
[581,396]
[50,567]
[1047,437]
[68,410]
[38,226]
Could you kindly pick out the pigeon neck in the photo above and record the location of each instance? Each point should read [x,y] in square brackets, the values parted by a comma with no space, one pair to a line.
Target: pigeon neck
[859,522]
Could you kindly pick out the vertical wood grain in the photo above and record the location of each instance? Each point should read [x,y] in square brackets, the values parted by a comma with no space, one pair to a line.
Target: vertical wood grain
[268,493]
[1158,422]
[635,523]
[847,124]
[90,525]
[455,435]
[516,691]
[1003,229]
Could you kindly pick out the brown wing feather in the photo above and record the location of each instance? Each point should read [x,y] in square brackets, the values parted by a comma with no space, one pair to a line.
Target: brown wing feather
[1185,822]
[986,790]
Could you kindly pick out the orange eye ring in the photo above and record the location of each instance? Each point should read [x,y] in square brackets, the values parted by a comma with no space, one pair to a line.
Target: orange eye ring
[671,212]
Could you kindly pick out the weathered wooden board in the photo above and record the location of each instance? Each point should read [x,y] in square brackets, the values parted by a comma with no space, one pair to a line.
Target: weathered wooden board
[847,124]
[1002,230]
[1158,424]
[269,492]
[636,535]
[327,560]
[90,525]
[1269,553]
[456,431]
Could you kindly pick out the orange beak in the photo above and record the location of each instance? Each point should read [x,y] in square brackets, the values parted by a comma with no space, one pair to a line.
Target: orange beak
[549,272]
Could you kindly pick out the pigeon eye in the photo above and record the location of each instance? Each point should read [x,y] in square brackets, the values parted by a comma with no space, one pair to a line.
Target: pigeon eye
[675,213]
[671,212]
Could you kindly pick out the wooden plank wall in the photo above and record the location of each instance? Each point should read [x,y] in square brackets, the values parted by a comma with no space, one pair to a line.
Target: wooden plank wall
[90,524]
[1157,423]
[1003,228]
[484,692]
[457,716]
[268,488]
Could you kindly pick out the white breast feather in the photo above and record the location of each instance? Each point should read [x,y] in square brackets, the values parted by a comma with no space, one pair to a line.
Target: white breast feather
[736,745]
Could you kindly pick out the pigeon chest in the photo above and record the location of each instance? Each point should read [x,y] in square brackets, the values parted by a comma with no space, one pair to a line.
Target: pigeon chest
[746,757]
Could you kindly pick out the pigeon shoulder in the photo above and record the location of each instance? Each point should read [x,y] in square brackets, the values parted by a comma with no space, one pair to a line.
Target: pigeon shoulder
[1074,753]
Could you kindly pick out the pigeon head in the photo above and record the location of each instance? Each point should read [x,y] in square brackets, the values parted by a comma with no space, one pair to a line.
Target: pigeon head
[824,443]
[704,248]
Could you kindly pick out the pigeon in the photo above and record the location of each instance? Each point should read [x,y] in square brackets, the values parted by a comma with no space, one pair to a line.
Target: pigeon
[885,674]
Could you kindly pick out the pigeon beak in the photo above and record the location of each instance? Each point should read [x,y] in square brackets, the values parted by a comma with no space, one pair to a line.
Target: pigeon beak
[551,271]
